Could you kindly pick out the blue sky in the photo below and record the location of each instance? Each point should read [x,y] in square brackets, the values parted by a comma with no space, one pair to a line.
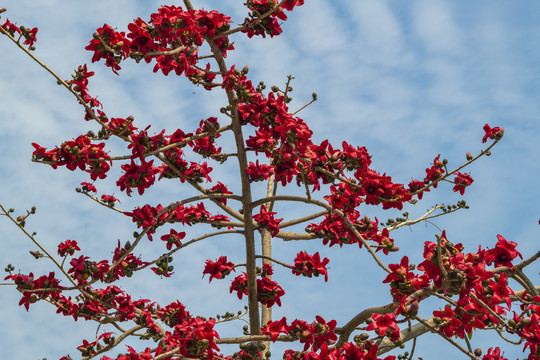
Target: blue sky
[408,80]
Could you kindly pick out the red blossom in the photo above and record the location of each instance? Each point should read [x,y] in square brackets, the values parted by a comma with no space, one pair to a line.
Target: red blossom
[462,181]
[218,269]
[266,219]
[503,253]
[435,172]
[383,323]
[494,354]
[109,199]
[30,36]
[140,176]
[173,238]
[68,247]
[274,328]
[269,292]
[492,133]
[309,266]
[447,321]
[11,27]
[88,187]
[416,185]
[258,172]
[222,189]
[239,284]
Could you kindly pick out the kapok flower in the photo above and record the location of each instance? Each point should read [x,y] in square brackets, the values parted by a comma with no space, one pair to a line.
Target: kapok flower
[309,266]
[266,219]
[68,247]
[218,269]
[492,133]
[503,253]
[173,238]
[273,328]
[462,181]
[382,323]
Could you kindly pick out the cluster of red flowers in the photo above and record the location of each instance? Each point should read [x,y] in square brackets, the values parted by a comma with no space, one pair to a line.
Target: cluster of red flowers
[28,34]
[481,291]
[79,153]
[79,84]
[270,24]
[266,220]
[268,291]
[309,266]
[319,336]
[68,247]
[140,176]
[44,287]
[147,217]
[312,335]
[82,269]
[172,39]
[218,269]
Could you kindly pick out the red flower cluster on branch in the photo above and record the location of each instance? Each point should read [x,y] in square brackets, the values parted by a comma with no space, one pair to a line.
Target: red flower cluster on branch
[172,40]
[309,266]
[79,153]
[218,269]
[268,291]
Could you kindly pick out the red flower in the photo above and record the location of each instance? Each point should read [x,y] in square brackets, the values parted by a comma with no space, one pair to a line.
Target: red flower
[30,36]
[435,171]
[220,188]
[239,284]
[447,321]
[309,266]
[273,328]
[139,176]
[492,133]
[503,253]
[382,323]
[266,219]
[173,238]
[11,27]
[258,172]
[218,269]
[269,292]
[88,187]
[462,181]
[494,354]
[109,199]
[416,185]
[68,247]
[323,334]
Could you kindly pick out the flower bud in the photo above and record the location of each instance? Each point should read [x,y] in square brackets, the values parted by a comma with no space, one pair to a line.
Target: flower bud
[469,156]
